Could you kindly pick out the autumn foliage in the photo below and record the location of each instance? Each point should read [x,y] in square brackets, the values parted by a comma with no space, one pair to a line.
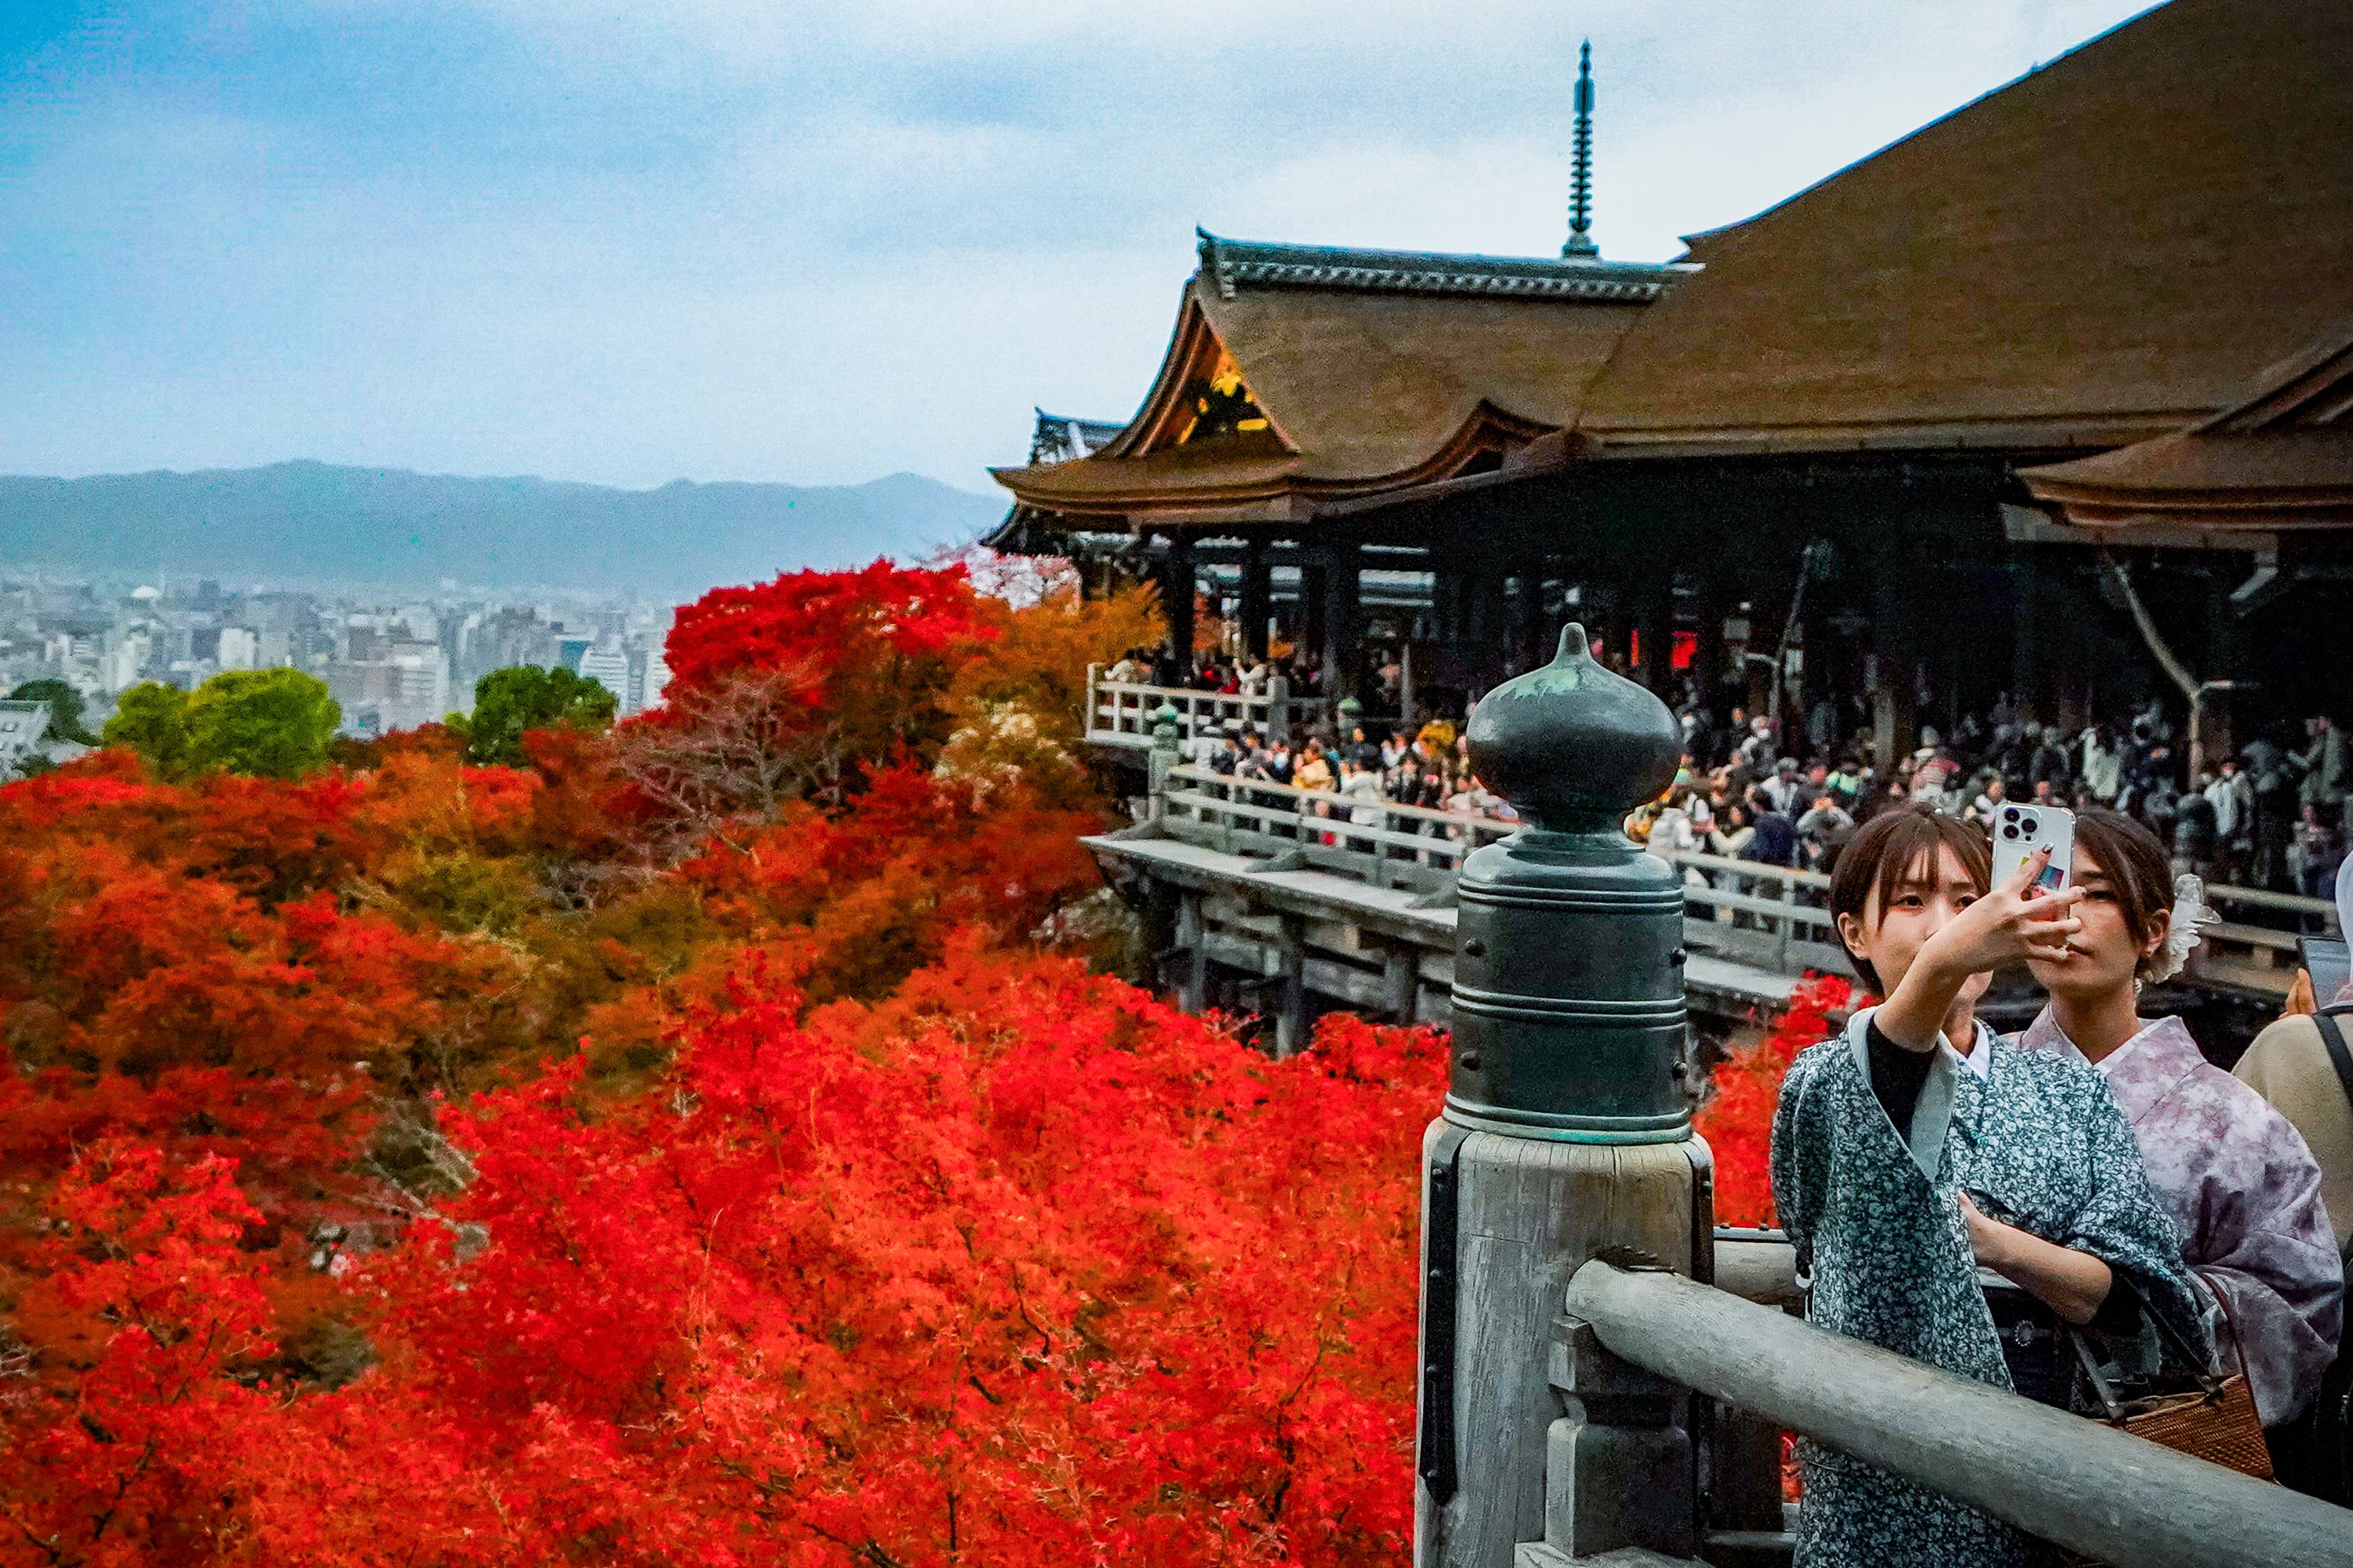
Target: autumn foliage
[1738,1120]
[419,1163]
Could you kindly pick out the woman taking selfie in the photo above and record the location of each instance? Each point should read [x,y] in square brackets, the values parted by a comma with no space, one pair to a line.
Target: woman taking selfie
[1916,1151]
[2242,1189]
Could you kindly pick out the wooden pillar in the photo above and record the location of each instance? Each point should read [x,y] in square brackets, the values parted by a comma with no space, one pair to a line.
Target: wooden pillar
[1531,1213]
[2221,663]
[1658,613]
[1707,658]
[2025,616]
[1176,598]
[1888,668]
[1291,1013]
[1401,976]
[1486,630]
[1193,955]
[1617,617]
[1257,596]
[1315,579]
[1343,621]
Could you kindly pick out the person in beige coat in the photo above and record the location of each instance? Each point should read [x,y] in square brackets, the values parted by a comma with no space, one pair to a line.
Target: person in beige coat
[2288,1065]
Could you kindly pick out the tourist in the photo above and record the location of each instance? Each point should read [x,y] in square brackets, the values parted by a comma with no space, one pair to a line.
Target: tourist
[2290,1066]
[2313,854]
[1915,1150]
[1672,832]
[2101,770]
[1988,804]
[1360,786]
[2047,764]
[1847,782]
[2232,796]
[2322,765]
[1315,768]
[1823,828]
[2241,1187]
[1774,841]
[1731,833]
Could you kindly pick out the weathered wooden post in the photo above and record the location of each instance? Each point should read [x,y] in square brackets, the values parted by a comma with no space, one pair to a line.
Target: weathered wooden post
[1566,1132]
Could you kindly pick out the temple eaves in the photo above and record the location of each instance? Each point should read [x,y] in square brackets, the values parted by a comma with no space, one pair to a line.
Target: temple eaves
[1232,264]
[1059,437]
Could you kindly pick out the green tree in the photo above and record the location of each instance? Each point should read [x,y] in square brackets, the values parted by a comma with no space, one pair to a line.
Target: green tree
[65,709]
[524,697]
[152,719]
[270,723]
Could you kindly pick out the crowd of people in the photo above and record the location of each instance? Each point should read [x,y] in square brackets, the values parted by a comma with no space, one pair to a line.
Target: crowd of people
[1369,766]
[2270,816]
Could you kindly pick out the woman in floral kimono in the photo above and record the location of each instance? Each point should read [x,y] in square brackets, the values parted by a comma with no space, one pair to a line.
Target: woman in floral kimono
[1903,1168]
[2233,1173]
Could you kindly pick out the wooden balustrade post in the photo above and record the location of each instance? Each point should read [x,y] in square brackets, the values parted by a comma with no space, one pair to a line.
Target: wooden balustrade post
[1192,942]
[1291,1015]
[1565,1133]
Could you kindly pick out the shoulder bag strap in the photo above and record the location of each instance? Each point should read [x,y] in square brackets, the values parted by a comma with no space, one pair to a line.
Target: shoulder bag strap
[2333,1038]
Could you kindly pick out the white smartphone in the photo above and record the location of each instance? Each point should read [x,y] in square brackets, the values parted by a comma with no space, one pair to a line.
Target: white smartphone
[2019,830]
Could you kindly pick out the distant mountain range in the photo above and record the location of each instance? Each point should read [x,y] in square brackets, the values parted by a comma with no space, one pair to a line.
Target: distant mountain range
[315,523]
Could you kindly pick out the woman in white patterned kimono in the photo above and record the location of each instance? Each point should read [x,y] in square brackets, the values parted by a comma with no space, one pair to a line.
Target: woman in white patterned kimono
[2233,1173]
[1895,1151]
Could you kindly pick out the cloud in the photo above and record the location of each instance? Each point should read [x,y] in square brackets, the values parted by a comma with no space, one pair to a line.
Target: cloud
[718,238]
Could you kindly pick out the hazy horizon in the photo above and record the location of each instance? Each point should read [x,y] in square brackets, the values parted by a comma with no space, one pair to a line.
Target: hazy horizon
[198,471]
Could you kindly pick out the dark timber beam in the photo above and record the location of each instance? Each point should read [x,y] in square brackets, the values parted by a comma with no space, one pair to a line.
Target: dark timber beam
[1177,599]
[1257,582]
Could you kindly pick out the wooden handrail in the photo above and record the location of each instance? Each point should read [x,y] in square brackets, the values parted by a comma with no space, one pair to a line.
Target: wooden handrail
[1693,857]
[1494,827]
[2076,1482]
[2264,898]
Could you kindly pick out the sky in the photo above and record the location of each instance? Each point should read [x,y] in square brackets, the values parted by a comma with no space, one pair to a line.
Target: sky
[631,241]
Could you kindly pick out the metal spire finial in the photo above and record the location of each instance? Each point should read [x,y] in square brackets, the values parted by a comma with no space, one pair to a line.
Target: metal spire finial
[1580,178]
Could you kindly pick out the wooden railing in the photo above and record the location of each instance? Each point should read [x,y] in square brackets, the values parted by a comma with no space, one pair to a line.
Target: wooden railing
[2253,949]
[1774,917]
[1124,711]
[1380,843]
[1771,917]
[2076,1482]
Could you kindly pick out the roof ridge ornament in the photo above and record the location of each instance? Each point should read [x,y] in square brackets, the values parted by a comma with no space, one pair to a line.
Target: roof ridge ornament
[1580,175]
[1228,264]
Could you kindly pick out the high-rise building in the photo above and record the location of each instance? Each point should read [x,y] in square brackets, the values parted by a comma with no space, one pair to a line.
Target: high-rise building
[608,666]
[239,649]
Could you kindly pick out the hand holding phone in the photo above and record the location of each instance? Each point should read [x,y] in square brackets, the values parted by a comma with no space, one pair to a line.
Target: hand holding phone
[2019,830]
[2329,964]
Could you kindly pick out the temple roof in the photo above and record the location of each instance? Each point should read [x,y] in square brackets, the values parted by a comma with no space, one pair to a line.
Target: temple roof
[1057,437]
[2101,251]
[2280,457]
[1348,372]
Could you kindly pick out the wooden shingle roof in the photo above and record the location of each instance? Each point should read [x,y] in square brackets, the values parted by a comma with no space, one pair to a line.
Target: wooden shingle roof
[2280,458]
[2099,252]
[1371,370]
